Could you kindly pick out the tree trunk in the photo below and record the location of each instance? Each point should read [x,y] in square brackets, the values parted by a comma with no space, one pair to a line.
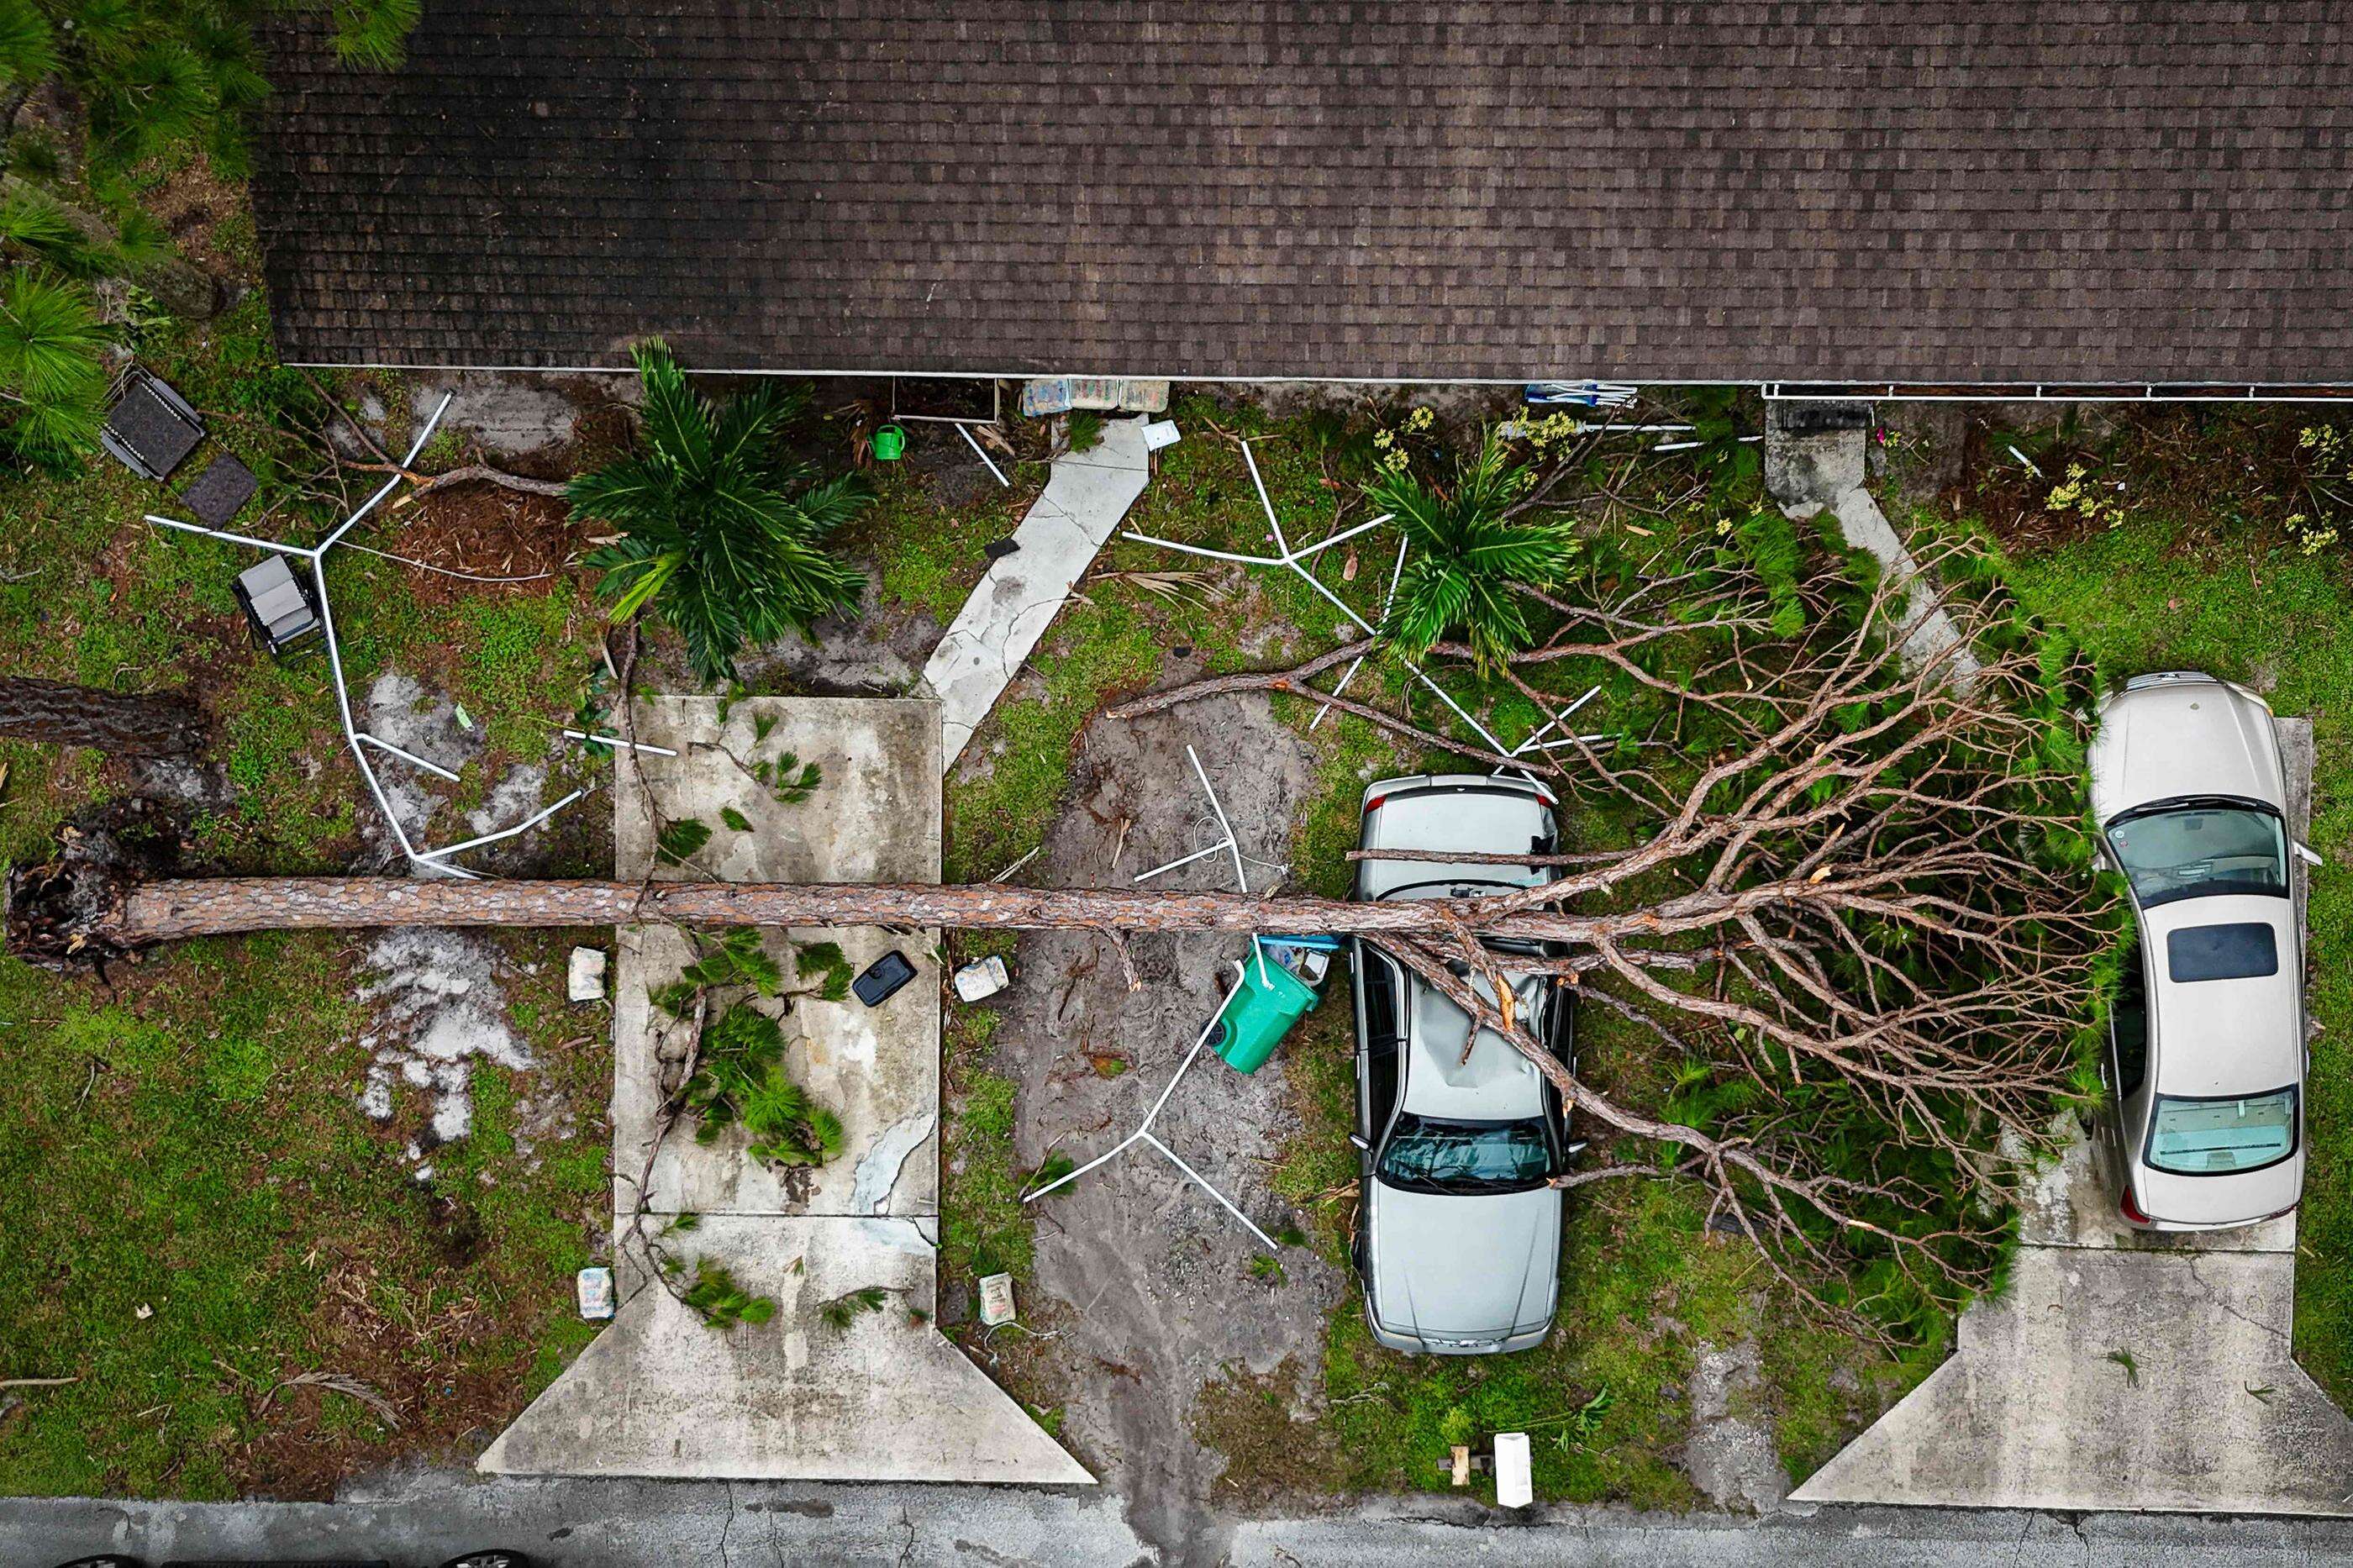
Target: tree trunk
[57,913]
[164,724]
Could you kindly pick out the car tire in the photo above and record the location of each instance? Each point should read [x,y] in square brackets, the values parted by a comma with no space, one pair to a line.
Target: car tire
[104,1560]
[491,1557]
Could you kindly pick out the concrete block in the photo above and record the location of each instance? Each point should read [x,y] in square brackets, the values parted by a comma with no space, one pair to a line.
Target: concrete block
[584,978]
[2034,1411]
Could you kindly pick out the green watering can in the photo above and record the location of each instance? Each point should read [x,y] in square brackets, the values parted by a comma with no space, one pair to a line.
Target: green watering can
[890,444]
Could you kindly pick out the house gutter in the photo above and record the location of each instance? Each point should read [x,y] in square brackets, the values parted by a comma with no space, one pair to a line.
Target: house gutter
[1773,391]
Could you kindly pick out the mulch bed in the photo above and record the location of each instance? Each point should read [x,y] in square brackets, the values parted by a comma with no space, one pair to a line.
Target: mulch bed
[483,530]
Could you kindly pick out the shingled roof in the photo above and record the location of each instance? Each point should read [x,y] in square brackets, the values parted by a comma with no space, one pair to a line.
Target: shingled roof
[1974,191]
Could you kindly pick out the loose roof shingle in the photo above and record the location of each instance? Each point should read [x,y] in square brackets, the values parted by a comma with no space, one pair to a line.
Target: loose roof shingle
[1909,190]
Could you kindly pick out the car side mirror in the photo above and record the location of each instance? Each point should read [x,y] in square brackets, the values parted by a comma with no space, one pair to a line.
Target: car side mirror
[1574,1147]
[1358,1140]
[2305,853]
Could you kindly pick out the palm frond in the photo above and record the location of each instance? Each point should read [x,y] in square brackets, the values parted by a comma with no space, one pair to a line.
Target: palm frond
[33,221]
[677,422]
[718,546]
[374,34]
[744,434]
[628,492]
[829,503]
[50,337]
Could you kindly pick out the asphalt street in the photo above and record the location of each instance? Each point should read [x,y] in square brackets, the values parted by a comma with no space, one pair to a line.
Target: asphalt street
[646,1524]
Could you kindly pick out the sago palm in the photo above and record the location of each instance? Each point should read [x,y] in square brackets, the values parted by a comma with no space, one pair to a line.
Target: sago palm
[1465,553]
[720,529]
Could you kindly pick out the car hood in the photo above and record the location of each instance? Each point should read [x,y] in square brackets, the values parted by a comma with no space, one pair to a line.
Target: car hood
[1465,1267]
[2181,738]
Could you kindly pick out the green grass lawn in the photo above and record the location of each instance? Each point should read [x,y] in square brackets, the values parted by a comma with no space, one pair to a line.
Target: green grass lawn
[196,1212]
[194,1207]
[2160,595]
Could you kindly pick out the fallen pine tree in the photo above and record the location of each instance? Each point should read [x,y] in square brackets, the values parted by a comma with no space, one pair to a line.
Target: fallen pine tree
[1852,903]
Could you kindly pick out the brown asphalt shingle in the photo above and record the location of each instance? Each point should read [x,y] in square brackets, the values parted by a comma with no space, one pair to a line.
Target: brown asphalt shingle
[1909,190]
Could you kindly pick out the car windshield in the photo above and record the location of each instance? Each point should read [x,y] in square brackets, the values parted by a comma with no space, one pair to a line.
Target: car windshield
[2186,852]
[2222,1137]
[1426,1155]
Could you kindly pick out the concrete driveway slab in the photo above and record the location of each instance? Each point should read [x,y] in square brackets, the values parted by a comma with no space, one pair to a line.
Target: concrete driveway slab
[2123,1370]
[884,1396]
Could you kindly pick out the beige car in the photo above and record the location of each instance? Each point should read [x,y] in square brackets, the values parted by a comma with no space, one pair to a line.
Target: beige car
[2206,1055]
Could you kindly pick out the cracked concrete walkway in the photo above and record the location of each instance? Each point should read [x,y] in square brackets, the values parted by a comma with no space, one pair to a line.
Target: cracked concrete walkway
[1085,497]
[888,1397]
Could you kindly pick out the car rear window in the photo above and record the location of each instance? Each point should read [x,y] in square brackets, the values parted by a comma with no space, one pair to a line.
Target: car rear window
[2222,1137]
[2242,950]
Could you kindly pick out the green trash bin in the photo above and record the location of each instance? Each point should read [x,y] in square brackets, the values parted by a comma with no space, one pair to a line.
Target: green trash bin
[1260,1012]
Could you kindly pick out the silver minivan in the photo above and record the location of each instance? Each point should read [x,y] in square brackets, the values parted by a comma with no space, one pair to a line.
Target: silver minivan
[1458,1229]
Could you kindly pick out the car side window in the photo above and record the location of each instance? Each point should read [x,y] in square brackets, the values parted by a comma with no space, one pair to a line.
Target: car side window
[1380,985]
[2128,1027]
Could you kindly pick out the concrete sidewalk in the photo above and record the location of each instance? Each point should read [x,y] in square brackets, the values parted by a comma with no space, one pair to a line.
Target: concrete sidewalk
[2033,1409]
[1085,497]
[888,1397]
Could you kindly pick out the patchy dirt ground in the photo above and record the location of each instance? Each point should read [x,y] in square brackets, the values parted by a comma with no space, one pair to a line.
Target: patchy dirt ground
[878,653]
[1153,1292]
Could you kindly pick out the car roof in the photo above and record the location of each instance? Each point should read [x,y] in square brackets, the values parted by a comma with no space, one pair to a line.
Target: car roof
[1496,1083]
[2224,1036]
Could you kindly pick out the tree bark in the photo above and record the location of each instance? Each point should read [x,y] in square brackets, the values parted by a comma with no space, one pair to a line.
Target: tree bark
[161,724]
[222,906]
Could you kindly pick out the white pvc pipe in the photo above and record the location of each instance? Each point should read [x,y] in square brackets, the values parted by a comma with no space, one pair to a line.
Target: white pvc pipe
[382,744]
[1202,1183]
[269,544]
[1280,542]
[423,436]
[1397,575]
[616,741]
[1345,534]
[527,823]
[1187,860]
[964,430]
[343,707]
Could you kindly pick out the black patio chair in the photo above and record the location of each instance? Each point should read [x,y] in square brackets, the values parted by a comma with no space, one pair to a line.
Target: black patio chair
[280,606]
[149,429]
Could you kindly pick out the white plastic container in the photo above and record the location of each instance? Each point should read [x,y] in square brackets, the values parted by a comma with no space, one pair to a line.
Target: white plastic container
[1514,1471]
[982,978]
[997,1300]
[594,1287]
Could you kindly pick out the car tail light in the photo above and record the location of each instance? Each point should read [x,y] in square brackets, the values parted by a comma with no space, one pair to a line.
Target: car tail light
[2131,1210]
[1374,805]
